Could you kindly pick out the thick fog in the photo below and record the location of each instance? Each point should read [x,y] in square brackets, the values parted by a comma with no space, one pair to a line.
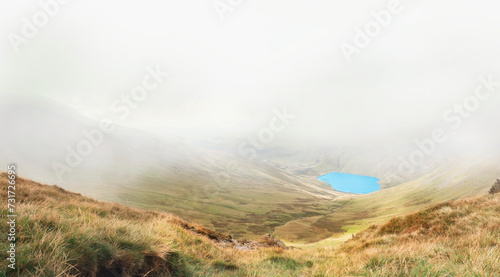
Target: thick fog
[313,72]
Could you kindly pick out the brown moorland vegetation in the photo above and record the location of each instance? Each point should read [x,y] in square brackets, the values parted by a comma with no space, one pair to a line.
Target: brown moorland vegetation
[495,188]
[60,233]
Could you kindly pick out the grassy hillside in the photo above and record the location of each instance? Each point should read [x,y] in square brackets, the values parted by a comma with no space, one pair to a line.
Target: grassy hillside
[64,234]
[251,199]
[454,238]
[60,233]
[453,181]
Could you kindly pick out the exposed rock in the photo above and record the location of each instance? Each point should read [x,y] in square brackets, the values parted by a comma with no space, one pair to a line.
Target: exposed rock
[266,241]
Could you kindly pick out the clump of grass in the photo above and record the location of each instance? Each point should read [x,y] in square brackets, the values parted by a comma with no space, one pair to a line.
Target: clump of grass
[287,263]
[224,265]
[495,188]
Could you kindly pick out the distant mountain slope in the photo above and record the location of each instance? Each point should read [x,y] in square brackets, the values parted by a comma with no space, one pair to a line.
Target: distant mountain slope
[382,161]
[136,168]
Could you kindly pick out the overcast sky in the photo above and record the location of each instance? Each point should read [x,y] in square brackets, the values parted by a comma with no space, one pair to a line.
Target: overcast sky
[230,74]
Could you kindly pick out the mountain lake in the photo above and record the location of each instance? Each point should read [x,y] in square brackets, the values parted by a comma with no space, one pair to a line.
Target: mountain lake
[352,183]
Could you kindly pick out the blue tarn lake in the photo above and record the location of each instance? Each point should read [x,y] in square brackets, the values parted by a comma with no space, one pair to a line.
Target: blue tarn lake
[352,183]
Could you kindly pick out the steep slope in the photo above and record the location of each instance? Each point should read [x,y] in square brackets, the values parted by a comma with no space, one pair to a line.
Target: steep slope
[60,233]
[453,238]
[136,168]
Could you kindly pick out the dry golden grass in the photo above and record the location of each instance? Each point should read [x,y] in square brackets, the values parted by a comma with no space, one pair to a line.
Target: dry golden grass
[64,234]
[456,238]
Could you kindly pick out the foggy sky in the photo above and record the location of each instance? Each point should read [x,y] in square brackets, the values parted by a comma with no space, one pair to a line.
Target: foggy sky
[228,76]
